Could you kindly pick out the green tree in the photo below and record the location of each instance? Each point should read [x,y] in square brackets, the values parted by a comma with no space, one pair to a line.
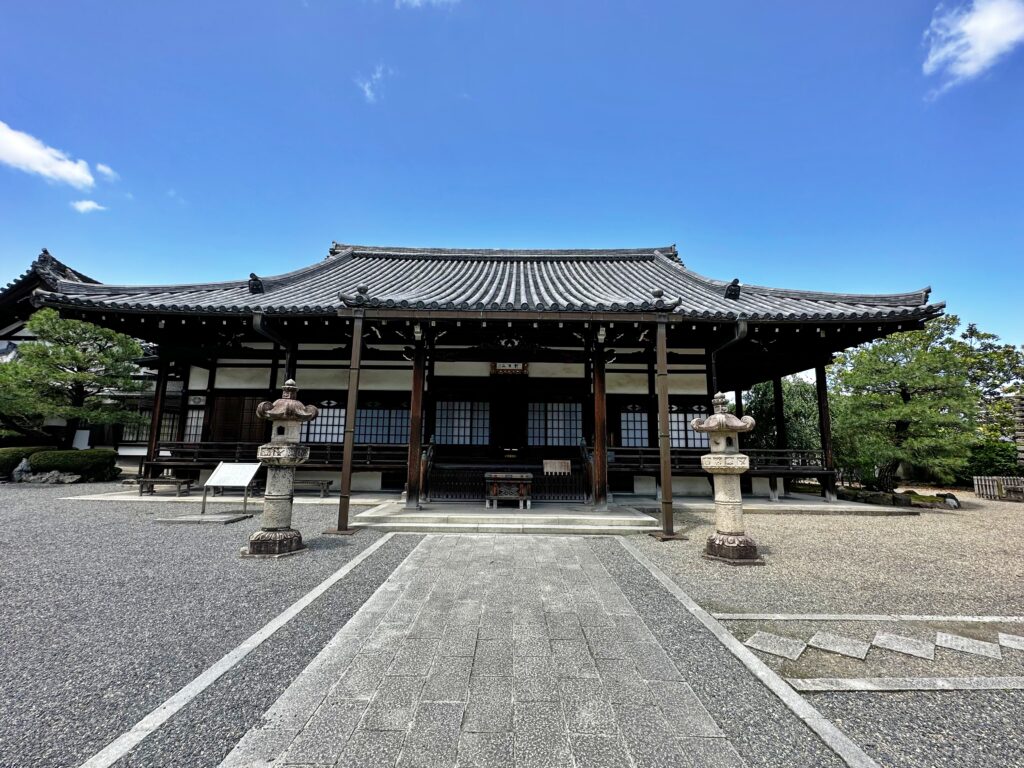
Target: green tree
[996,372]
[69,372]
[905,399]
[800,411]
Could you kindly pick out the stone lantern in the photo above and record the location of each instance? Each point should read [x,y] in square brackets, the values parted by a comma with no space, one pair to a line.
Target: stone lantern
[281,456]
[730,543]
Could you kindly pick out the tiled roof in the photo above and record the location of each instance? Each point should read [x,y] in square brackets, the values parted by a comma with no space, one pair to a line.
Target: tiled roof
[620,280]
[49,272]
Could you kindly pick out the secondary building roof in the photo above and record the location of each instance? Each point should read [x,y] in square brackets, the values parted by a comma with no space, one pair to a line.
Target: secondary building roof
[479,280]
[43,274]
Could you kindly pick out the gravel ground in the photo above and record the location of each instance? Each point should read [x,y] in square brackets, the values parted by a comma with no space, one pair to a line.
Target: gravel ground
[964,561]
[955,562]
[951,729]
[109,613]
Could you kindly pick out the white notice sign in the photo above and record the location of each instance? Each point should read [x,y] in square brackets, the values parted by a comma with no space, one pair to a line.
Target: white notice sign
[232,475]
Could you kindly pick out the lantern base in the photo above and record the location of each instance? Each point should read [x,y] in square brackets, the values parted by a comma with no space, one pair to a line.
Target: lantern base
[733,549]
[274,543]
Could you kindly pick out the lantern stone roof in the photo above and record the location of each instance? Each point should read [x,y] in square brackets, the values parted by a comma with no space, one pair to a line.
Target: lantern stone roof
[633,280]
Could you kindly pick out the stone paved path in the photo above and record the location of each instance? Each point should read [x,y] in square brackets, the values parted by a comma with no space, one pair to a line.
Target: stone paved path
[491,651]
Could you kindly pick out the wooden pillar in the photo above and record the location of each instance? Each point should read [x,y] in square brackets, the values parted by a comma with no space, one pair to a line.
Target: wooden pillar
[652,398]
[275,366]
[664,439]
[291,361]
[156,417]
[350,426]
[412,483]
[746,481]
[600,429]
[781,438]
[825,428]
[429,399]
[211,384]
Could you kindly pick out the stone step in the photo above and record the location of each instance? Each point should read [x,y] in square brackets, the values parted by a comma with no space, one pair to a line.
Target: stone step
[492,518]
[595,530]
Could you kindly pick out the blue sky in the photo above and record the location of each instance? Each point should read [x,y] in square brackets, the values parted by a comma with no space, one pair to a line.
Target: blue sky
[870,146]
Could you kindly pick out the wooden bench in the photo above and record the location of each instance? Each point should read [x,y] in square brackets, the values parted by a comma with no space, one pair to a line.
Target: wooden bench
[148,485]
[507,486]
[322,485]
[1013,490]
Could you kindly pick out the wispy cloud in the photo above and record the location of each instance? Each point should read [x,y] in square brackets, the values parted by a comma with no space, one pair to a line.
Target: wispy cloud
[370,86]
[27,153]
[421,3]
[107,172]
[965,41]
[87,206]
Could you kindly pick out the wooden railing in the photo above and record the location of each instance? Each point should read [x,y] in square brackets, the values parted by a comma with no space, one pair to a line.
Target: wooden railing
[450,481]
[364,455]
[687,460]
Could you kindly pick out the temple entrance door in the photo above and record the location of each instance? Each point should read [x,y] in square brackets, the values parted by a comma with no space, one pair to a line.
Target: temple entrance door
[508,415]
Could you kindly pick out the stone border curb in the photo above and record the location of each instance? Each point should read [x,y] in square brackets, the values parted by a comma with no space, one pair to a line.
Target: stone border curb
[834,739]
[824,684]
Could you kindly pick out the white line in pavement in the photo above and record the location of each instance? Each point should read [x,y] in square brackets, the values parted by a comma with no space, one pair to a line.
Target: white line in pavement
[826,730]
[813,684]
[127,741]
[865,617]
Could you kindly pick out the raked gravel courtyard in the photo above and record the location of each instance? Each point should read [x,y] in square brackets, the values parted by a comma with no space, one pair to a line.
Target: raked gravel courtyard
[108,614]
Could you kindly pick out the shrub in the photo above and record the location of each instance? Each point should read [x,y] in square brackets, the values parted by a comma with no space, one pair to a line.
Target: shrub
[91,464]
[990,458]
[11,457]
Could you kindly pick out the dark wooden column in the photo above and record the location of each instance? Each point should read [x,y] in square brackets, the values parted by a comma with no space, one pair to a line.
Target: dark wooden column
[600,429]
[824,427]
[412,483]
[738,394]
[652,398]
[350,426]
[275,366]
[211,384]
[291,361]
[781,438]
[429,398]
[156,417]
[664,439]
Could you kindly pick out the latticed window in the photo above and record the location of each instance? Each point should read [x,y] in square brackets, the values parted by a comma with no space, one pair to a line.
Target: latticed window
[139,433]
[327,427]
[459,422]
[382,425]
[681,434]
[554,424]
[633,427]
[194,424]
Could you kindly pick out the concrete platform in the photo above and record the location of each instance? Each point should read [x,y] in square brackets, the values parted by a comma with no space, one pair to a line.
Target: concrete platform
[794,504]
[449,517]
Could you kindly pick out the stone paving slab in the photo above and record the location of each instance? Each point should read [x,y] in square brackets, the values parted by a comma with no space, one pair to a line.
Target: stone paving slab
[844,646]
[1011,641]
[968,645]
[485,651]
[787,647]
[908,645]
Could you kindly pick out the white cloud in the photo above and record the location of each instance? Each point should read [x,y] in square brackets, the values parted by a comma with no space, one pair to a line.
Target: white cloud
[105,170]
[966,41]
[27,153]
[370,86]
[421,3]
[87,206]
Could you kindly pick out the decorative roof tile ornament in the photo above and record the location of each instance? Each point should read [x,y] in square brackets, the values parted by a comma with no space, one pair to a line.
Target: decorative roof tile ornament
[730,543]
